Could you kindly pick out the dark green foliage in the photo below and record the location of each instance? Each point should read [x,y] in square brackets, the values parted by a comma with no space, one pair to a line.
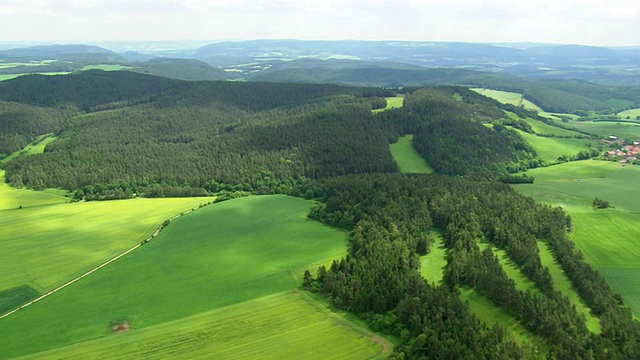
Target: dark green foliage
[12,298]
[600,204]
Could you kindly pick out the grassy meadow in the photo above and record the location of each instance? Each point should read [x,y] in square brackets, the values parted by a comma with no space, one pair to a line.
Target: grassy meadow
[507,97]
[551,148]
[607,238]
[432,265]
[407,158]
[392,102]
[226,254]
[632,113]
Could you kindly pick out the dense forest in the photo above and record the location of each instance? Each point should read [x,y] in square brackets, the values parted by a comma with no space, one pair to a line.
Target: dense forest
[121,135]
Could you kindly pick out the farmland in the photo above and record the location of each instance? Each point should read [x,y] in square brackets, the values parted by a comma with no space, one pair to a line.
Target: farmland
[622,129]
[507,97]
[551,148]
[408,159]
[221,255]
[607,238]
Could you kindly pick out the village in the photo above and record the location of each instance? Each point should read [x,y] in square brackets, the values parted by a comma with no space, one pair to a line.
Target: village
[627,153]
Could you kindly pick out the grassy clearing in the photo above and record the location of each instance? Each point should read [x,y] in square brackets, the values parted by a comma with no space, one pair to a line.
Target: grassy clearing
[550,149]
[623,130]
[280,326]
[407,158]
[432,265]
[540,127]
[563,284]
[49,245]
[218,256]
[511,269]
[392,102]
[13,199]
[491,314]
[36,147]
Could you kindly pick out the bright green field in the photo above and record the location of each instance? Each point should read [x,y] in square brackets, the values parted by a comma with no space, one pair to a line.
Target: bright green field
[632,113]
[540,127]
[218,256]
[407,158]
[550,149]
[392,102]
[432,265]
[280,326]
[491,314]
[622,130]
[607,238]
[507,97]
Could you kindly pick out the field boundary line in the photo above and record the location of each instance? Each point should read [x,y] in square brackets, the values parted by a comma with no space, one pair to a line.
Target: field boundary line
[386,344]
[77,278]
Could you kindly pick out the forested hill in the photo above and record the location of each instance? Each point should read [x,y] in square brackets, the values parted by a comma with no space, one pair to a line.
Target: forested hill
[166,137]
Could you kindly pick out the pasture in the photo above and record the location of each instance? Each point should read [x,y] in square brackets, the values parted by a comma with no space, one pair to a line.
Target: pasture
[432,265]
[632,113]
[279,326]
[221,255]
[551,148]
[407,158]
[507,97]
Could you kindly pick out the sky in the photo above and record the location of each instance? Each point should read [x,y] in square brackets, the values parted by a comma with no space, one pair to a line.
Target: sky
[586,22]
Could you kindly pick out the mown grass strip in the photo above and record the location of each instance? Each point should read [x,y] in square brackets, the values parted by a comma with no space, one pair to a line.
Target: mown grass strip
[407,158]
[432,265]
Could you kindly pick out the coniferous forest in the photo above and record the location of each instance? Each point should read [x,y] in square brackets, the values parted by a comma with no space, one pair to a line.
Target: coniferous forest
[122,135]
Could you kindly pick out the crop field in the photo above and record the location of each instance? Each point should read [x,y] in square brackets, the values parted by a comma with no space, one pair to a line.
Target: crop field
[218,256]
[407,158]
[550,149]
[621,129]
[607,238]
[432,265]
[280,326]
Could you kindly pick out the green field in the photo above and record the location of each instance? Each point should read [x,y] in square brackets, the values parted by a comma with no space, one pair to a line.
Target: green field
[540,127]
[550,148]
[221,255]
[392,102]
[507,97]
[607,238]
[623,130]
[432,265]
[280,326]
[407,158]
[105,67]
[632,113]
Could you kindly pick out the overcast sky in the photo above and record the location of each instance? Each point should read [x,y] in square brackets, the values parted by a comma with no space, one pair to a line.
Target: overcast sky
[588,22]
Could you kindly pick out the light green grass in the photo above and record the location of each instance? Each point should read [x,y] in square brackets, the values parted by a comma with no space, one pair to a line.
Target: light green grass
[392,102]
[632,113]
[407,158]
[220,255]
[550,149]
[36,147]
[12,199]
[540,127]
[491,314]
[280,326]
[51,244]
[12,76]
[105,67]
[607,238]
[432,265]
[563,284]
[8,65]
[623,130]
[511,269]
[507,97]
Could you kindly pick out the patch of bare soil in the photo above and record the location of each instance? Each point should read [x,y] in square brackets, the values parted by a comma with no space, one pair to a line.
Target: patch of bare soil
[124,327]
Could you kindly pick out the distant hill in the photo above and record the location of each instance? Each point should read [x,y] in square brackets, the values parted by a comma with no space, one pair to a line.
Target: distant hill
[183,69]
[80,53]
